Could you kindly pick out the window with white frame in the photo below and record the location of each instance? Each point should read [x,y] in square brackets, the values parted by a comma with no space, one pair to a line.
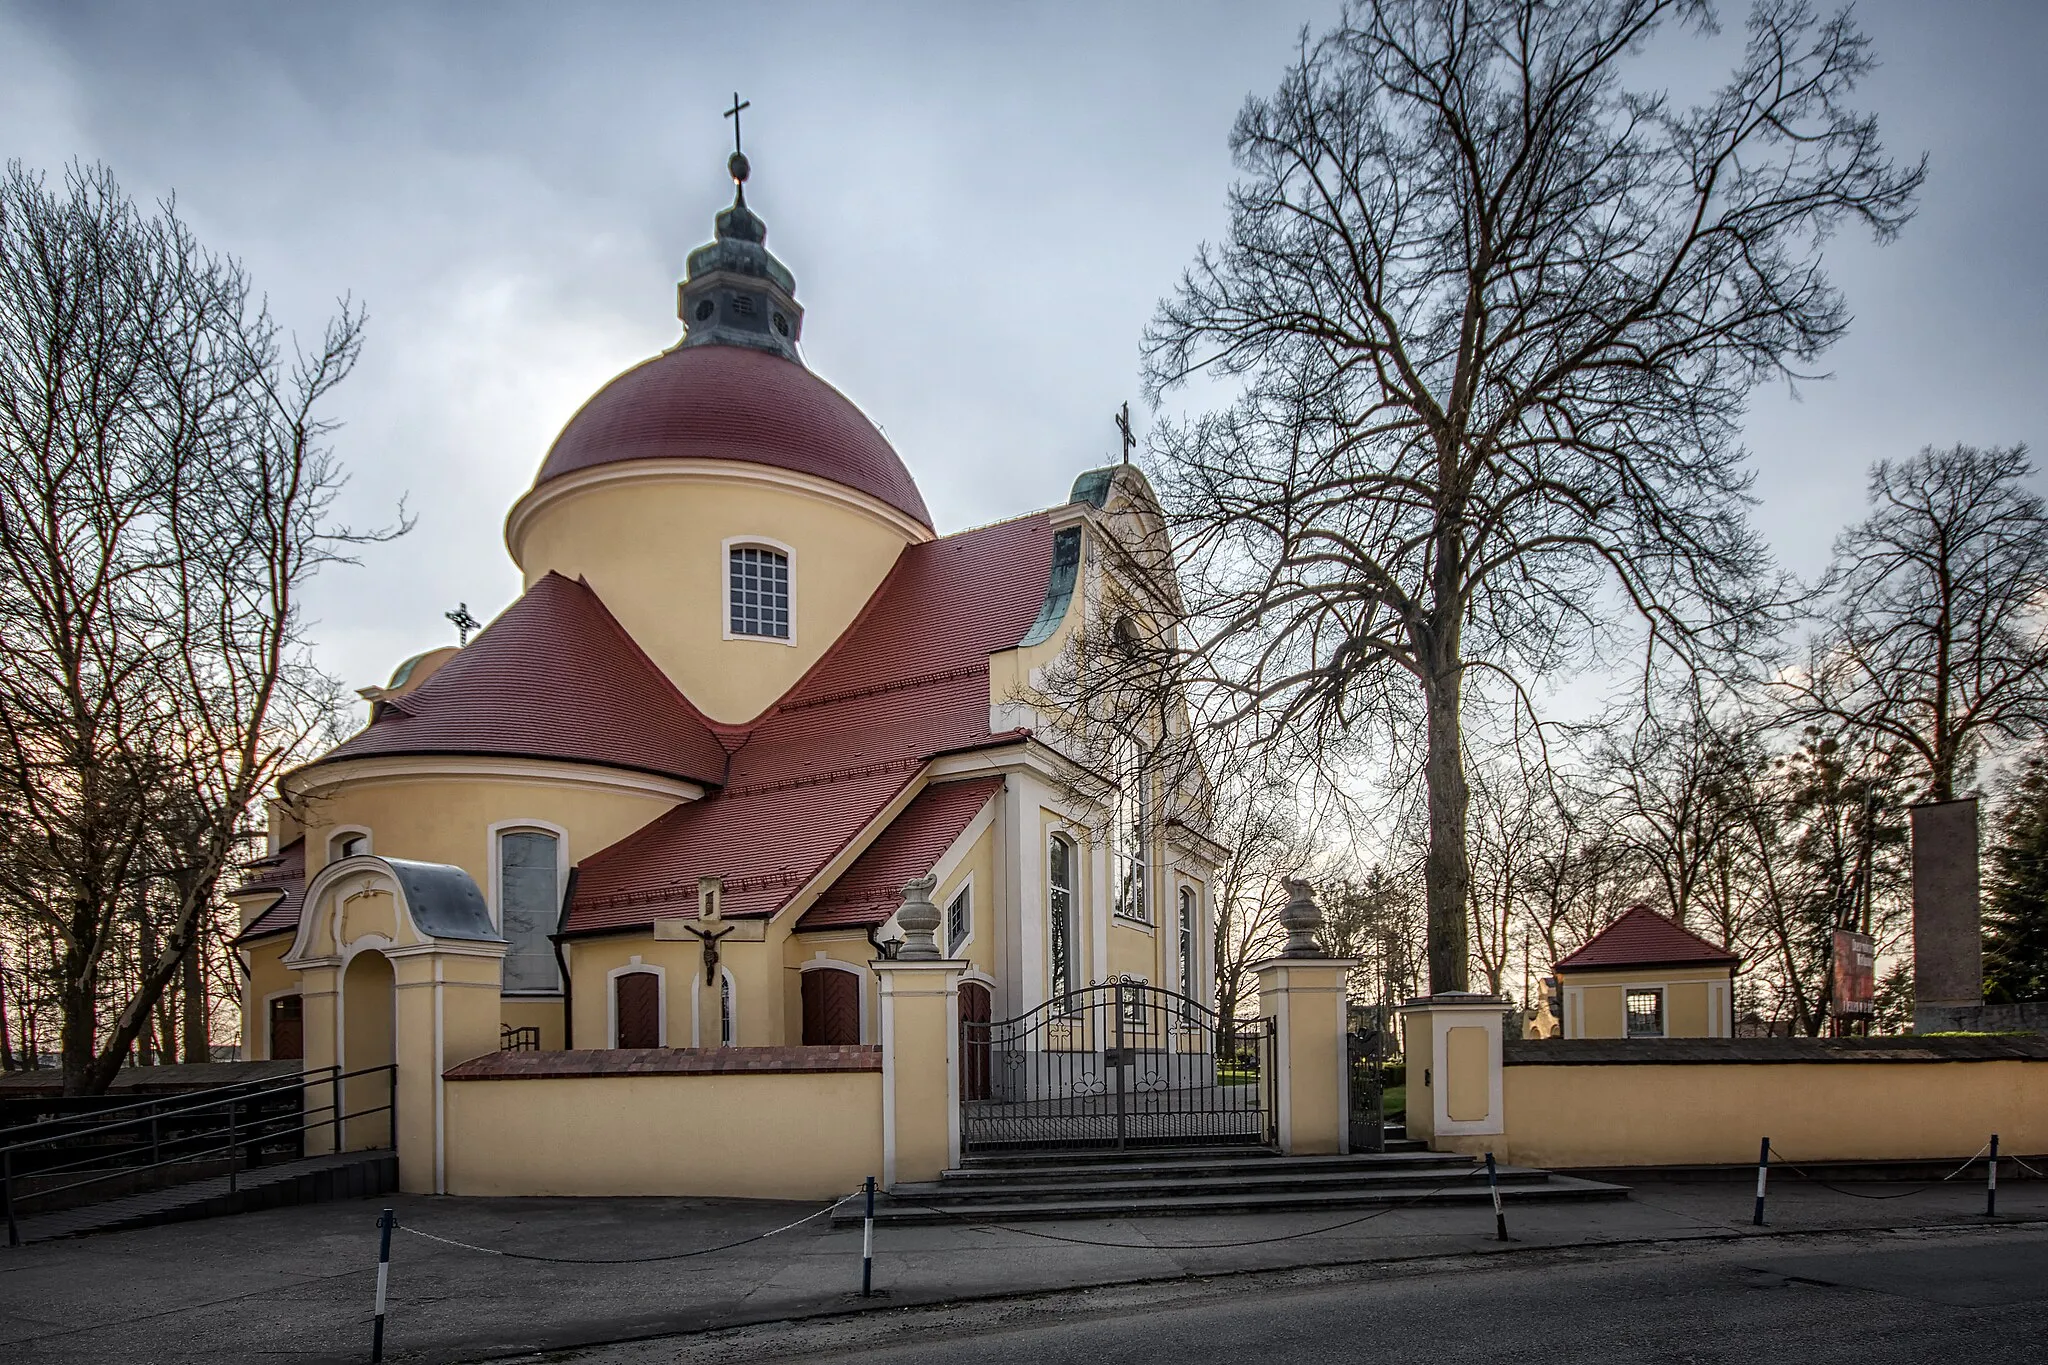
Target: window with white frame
[726,1025]
[1059,908]
[347,844]
[1132,819]
[758,592]
[1645,1009]
[529,904]
[959,921]
[1188,921]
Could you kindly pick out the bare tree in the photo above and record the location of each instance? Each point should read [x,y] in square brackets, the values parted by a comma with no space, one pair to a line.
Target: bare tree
[1940,641]
[1672,779]
[1493,317]
[165,493]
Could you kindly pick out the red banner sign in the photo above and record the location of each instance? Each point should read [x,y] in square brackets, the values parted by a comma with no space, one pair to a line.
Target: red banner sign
[1855,972]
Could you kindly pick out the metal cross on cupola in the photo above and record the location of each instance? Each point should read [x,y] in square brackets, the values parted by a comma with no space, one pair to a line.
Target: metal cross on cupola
[463,622]
[737,163]
[1123,426]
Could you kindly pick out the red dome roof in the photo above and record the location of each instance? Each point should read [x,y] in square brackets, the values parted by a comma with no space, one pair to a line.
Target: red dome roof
[730,403]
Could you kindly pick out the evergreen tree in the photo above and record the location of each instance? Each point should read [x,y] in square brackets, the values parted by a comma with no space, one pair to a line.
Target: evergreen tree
[2016,918]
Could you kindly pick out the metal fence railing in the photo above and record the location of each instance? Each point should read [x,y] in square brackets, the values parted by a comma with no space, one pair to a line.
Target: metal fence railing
[231,1122]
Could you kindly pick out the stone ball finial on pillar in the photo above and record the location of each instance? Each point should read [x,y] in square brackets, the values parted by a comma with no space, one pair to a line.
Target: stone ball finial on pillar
[919,921]
[1301,919]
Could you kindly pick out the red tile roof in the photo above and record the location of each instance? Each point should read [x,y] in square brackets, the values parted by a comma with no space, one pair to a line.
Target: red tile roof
[1644,938]
[907,681]
[730,403]
[283,871]
[555,676]
[868,892]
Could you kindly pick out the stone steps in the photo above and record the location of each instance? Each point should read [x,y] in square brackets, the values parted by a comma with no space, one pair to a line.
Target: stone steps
[311,1180]
[1160,1184]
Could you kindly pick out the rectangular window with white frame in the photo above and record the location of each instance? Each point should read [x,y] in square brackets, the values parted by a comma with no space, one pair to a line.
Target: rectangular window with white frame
[959,921]
[757,592]
[1644,1009]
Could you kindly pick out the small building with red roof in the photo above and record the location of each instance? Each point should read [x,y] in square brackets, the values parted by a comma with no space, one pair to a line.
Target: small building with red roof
[1647,976]
[748,694]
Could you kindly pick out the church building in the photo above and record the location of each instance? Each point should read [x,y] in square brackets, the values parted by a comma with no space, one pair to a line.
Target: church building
[672,796]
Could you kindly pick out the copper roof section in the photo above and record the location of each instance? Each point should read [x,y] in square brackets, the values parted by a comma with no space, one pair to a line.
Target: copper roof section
[868,892]
[554,677]
[907,681]
[1644,938]
[730,403]
[285,873]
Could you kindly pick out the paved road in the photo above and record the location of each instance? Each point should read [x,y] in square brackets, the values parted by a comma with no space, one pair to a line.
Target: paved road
[1977,1298]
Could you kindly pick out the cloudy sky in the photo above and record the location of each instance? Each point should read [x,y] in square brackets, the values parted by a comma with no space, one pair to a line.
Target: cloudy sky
[982,205]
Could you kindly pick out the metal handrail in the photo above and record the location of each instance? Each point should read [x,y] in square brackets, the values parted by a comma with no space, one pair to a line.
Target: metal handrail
[264,1131]
[189,1102]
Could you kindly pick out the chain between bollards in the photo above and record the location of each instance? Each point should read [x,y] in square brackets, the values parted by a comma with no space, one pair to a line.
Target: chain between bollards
[1500,1218]
[1763,1174]
[867,1243]
[386,1221]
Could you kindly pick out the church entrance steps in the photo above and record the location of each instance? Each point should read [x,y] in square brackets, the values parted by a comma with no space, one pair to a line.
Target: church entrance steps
[1150,1184]
[311,1180]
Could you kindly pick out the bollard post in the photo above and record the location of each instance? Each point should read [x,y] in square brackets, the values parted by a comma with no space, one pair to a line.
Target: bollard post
[1763,1172]
[1991,1182]
[867,1243]
[1500,1219]
[386,1221]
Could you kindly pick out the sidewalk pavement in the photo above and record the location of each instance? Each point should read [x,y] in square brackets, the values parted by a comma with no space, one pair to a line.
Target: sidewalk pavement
[296,1284]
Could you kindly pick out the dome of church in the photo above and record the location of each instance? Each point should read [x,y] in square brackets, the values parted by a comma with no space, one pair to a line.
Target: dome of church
[734,402]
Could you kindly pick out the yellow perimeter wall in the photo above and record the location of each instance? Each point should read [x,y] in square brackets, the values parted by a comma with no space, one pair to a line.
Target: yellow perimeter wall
[1715,1113]
[812,1135]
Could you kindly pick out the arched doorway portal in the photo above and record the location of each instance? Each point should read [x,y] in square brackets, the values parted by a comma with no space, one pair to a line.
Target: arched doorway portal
[369,1033]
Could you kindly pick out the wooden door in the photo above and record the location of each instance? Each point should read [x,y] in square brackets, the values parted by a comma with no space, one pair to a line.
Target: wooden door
[287,1028]
[831,1008]
[637,996]
[974,1040]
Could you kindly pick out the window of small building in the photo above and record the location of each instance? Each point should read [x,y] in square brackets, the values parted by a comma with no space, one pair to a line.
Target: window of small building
[759,592]
[287,1028]
[1645,1011]
[959,921]
[528,905]
[1059,906]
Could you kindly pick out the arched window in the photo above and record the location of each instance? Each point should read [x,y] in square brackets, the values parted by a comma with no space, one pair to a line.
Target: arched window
[1188,954]
[1059,906]
[529,904]
[757,592]
[727,1026]
[1132,820]
[347,843]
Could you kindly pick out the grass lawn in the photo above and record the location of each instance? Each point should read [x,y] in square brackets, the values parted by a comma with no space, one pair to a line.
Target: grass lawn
[1394,1102]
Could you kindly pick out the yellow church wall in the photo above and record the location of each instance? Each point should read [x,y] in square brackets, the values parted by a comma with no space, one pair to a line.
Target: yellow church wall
[748,1136]
[544,1014]
[651,541]
[268,977]
[1715,1113]
[447,818]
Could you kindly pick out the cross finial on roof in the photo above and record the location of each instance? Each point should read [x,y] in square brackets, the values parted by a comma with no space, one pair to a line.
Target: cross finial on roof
[463,622]
[1123,426]
[737,162]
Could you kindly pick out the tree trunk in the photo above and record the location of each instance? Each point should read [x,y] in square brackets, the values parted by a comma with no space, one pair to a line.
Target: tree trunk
[80,1021]
[198,1042]
[1446,878]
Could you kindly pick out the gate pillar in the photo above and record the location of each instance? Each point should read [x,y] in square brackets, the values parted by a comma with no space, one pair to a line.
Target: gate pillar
[920,1017]
[1453,1051]
[1311,1091]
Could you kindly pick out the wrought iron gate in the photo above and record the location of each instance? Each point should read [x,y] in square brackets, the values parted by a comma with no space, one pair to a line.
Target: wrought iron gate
[1368,1050]
[1115,1065]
